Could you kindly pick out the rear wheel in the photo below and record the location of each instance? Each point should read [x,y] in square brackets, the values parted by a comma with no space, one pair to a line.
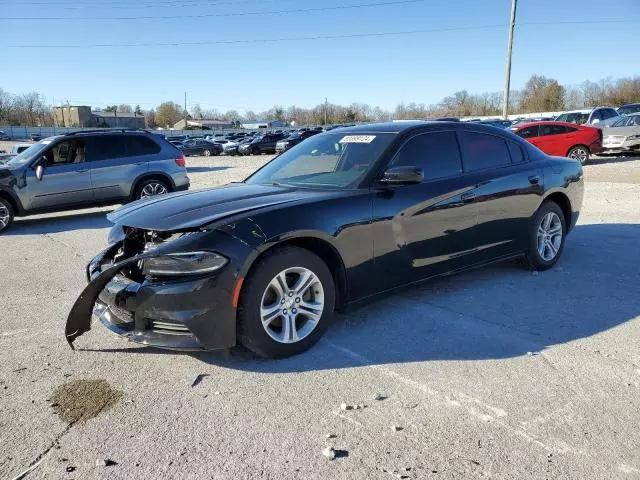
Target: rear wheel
[151,188]
[287,303]
[6,214]
[580,153]
[207,153]
[255,151]
[546,236]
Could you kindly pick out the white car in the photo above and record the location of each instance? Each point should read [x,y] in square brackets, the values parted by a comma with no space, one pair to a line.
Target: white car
[227,145]
[599,116]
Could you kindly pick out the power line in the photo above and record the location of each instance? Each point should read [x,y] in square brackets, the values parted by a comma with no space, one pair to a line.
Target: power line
[226,14]
[314,37]
[161,4]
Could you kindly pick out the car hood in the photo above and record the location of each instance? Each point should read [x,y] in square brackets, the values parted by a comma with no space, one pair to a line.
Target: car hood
[193,209]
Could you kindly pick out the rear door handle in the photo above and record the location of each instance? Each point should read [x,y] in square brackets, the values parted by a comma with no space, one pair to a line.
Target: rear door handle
[84,170]
[141,163]
[534,179]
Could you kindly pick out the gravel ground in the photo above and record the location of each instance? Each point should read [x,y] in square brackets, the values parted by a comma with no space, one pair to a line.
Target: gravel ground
[496,373]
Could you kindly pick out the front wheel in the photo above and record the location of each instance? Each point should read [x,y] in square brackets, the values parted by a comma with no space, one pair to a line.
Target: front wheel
[546,236]
[207,153]
[286,304]
[580,153]
[6,214]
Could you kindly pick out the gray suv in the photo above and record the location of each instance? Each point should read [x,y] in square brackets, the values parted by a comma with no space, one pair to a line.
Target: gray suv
[87,169]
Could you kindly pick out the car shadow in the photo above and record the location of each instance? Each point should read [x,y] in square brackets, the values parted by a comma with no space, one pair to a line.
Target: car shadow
[606,159]
[205,169]
[498,312]
[59,223]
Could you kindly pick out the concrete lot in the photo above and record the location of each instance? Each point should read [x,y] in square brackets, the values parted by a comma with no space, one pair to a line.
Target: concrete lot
[497,373]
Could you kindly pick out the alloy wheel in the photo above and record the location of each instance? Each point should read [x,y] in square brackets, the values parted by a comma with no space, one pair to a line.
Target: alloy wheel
[207,153]
[152,189]
[549,236]
[579,154]
[292,305]
[4,217]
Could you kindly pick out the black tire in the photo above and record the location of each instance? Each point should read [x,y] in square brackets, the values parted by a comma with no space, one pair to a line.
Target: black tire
[6,214]
[251,334]
[534,258]
[255,151]
[580,153]
[151,181]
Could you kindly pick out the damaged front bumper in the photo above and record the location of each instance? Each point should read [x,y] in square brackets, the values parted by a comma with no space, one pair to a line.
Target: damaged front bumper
[186,313]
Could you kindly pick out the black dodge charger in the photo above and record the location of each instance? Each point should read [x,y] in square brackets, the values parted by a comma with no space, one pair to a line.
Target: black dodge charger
[337,219]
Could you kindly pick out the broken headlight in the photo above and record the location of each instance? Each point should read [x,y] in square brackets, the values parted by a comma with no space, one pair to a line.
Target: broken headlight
[189,263]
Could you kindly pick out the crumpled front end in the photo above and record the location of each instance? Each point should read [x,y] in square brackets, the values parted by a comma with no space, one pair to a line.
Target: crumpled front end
[185,312]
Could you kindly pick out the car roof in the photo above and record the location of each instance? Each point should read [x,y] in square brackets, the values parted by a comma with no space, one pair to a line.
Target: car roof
[386,127]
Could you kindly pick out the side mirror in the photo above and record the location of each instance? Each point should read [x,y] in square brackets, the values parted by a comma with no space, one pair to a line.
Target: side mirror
[39,172]
[402,176]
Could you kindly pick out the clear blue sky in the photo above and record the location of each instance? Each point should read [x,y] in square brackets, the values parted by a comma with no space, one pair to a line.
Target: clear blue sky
[421,67]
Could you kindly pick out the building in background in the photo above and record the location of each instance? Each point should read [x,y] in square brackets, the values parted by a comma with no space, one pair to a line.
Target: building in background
[118,120]
[263,124]
[73,116]
[204,124]
[81,116]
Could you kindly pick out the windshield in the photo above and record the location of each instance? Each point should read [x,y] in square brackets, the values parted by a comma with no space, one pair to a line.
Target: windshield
[576,117]
[28,155]
[330,160]
[628,110]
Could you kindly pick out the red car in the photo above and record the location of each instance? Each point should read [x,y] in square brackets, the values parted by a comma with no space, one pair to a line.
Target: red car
[562,139]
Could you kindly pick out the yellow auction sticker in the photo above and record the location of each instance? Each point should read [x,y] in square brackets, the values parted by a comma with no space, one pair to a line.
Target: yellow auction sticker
[357,139]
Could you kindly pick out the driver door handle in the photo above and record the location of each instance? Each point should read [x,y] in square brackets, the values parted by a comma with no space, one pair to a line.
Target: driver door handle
[83,170]
[468,196]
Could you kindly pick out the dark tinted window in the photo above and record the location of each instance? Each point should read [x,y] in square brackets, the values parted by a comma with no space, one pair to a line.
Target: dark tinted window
[571,129]
[104,147]
[481,151]
[142,146]
[436,153]
[528,132]
[608,113]
[596,115]
[517,155]
[552,130]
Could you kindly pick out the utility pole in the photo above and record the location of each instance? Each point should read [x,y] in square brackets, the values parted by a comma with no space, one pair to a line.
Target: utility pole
[185,111]
[326,105]
[512,24]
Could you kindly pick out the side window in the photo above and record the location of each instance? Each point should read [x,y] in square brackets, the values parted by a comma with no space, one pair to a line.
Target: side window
[571,129]
[481,151]
[528,132]
[608,113]
[515,150]
[108,147]
[596,115]
[67,152]
[552,130]
[436,153]
[142,146]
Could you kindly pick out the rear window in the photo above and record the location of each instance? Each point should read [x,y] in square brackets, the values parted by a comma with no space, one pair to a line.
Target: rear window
[481,151]
[142,146]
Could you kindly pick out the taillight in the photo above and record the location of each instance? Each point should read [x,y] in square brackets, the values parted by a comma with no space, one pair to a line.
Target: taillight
[180,161]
